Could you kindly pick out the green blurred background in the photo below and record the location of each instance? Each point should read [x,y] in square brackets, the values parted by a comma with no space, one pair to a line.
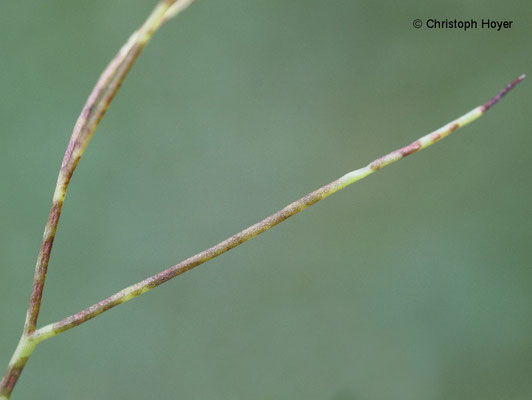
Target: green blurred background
[412,284]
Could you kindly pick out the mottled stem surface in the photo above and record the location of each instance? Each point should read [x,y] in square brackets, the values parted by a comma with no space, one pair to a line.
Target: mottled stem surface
[93,111]
[267,223]
[89,119]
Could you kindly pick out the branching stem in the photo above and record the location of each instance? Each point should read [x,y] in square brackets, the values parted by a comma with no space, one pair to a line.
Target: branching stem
[93,111]
[267,223]
[89,119]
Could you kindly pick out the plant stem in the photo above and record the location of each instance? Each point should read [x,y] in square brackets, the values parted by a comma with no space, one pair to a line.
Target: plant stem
[18,361]
[92,113]
[267,223]
[89,119]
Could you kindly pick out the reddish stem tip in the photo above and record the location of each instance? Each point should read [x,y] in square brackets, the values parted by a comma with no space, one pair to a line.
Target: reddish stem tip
[502,93]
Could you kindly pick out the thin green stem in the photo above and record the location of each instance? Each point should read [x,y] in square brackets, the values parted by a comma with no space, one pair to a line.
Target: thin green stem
[89,119]
[20,357]
[92,113]
[267,223]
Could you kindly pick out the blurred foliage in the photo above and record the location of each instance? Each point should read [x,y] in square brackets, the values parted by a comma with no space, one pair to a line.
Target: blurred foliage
[414,284]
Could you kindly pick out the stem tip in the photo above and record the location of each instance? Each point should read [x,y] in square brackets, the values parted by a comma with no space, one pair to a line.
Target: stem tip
[486,106]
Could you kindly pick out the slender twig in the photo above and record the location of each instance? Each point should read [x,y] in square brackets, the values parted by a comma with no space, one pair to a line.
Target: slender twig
[267,223]
[93,111]
[91,115]
[89,119]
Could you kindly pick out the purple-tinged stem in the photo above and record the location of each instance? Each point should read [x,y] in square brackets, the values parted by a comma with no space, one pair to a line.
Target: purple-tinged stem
[267,223]
[93,111]
[97,104]
[486,106]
